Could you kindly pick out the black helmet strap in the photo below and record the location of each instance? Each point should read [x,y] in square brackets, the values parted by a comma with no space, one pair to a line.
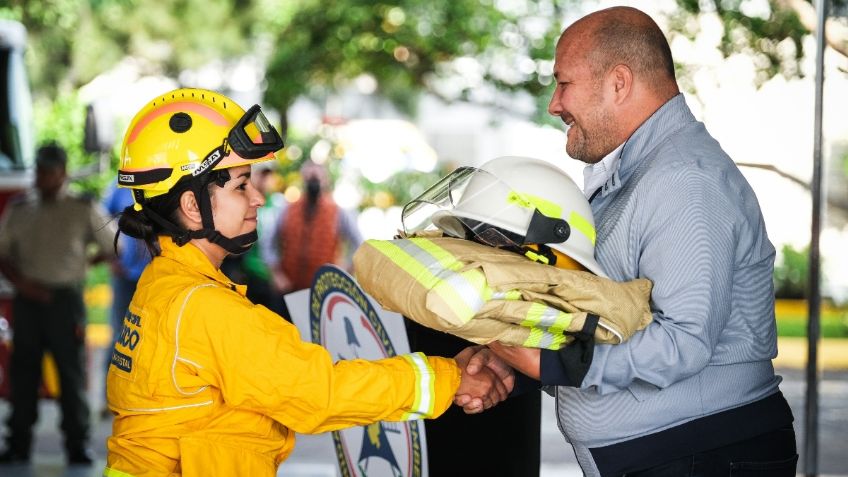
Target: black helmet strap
[235,245]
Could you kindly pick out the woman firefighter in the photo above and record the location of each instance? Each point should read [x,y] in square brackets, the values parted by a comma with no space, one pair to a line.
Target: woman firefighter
[202,381]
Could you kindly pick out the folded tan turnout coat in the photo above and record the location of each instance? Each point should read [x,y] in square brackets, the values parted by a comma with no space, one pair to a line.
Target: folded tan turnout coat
[484,294]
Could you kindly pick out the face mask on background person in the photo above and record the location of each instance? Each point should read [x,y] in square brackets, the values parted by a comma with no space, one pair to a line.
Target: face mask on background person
[313,189]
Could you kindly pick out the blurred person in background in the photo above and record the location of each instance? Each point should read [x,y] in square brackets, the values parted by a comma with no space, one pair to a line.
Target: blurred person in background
[313,231]
[44,240]
[125,270]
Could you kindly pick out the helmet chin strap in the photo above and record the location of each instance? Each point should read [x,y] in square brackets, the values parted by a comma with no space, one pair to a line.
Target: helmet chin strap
[234,245]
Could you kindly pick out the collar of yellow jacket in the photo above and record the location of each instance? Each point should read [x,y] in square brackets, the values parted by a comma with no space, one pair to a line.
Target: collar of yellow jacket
[193,258]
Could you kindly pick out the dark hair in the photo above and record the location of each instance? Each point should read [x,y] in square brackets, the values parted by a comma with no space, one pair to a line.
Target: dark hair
[51,155]
[639,44]
[145,225]
[138,224]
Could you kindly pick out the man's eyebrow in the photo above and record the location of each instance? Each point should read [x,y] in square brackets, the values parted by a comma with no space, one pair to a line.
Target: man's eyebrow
[245,174]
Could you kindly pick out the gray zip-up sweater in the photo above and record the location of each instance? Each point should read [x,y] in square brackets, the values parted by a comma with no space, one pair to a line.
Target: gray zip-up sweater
[684,217]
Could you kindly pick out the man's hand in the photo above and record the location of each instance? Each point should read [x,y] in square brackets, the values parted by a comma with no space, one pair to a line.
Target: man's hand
[34,291]
[523,359]
[485,389]
[29,289]
[477,360]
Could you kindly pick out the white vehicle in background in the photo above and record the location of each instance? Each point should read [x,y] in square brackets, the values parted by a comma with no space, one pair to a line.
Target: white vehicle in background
[17,148]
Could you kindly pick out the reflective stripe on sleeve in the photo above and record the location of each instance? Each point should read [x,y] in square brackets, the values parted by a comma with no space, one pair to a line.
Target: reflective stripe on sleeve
[546,318]
[472,290]
[440,255]
[507,295]
[436,269]
[545,340]
[107,472]
[425,389]
[470,285]
[546,326]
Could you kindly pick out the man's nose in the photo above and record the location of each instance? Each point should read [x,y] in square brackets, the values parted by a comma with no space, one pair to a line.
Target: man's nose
[554,107]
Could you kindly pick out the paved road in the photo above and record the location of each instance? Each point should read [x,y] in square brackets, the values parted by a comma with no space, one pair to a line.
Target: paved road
[313,456]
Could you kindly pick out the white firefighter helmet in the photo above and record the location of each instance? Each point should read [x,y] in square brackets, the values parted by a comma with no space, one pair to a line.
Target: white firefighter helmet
[514,203]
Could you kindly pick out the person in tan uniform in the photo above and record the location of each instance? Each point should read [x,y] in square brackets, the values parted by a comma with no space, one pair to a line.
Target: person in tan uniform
[44,239]
[204,382]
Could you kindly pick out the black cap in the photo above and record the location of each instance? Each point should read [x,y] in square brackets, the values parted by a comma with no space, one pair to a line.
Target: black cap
[51,155]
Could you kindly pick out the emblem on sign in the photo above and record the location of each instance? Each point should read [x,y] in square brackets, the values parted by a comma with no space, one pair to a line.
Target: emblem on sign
[344,321]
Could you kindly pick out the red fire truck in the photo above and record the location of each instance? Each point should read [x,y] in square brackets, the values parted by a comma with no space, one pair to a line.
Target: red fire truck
[17,141]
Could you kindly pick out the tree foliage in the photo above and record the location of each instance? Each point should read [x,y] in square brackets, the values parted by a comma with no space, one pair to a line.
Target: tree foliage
[459,50]
[73,41]
[314,47]
[62,121]
[791,274]
[774,38]
[408,45]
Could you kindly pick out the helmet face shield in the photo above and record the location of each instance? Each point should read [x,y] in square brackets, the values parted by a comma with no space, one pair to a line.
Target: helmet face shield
[496,237]
[473,204]
[515,203]
[444,195]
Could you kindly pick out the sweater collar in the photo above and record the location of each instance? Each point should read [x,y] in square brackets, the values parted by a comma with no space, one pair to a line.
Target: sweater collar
[193,258]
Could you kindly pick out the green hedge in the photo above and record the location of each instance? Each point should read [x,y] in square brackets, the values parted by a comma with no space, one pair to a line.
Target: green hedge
[833,325]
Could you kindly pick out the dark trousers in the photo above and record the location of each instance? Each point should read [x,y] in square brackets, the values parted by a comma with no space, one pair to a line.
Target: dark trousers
[504,441]
[772,454]
[57,327]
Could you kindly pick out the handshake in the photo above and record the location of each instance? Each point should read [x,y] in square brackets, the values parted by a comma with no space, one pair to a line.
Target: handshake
[486,378]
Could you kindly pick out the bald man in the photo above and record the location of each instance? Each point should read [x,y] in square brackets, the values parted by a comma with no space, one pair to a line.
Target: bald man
[695,393]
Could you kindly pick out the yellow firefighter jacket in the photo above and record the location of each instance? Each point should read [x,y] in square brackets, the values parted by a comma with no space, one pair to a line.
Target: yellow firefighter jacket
[203,382]
[484,294]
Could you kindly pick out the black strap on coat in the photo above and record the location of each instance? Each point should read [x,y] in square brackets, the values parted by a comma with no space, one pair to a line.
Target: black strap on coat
[576,357]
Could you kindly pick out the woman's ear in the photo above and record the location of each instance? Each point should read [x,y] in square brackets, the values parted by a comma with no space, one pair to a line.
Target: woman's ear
[190,209]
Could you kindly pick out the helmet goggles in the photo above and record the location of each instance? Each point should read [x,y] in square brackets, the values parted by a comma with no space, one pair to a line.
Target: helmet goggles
[252,137]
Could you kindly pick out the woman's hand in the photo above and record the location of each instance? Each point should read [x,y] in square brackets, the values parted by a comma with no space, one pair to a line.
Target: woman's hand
[486,380]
